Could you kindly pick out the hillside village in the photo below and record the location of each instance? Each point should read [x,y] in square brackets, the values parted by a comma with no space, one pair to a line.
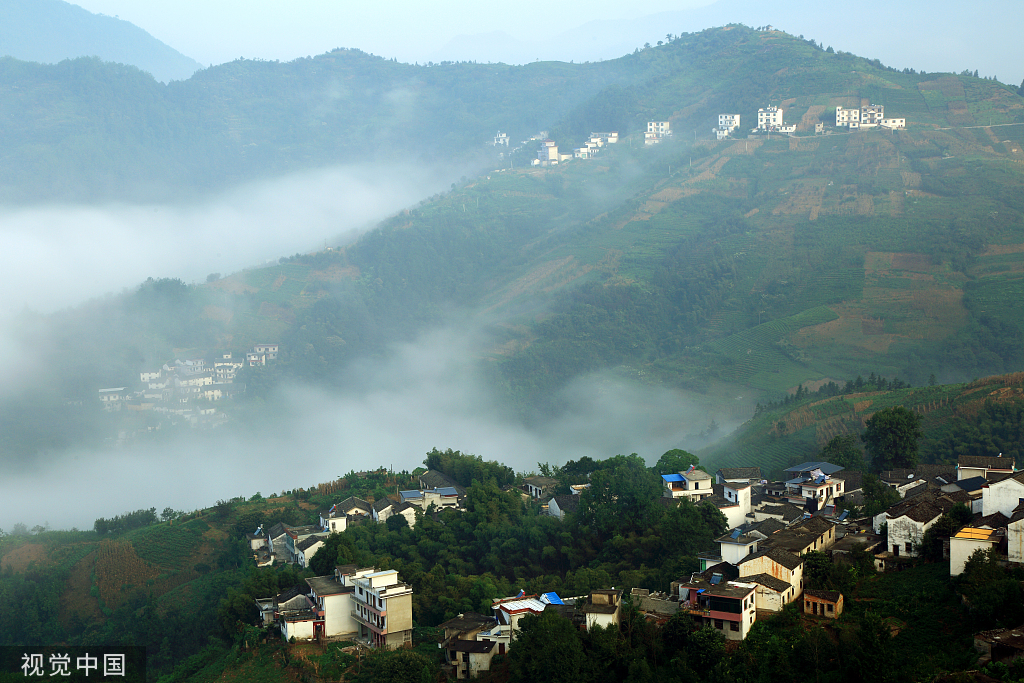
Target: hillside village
[187,389]
[770,120]
[752,572]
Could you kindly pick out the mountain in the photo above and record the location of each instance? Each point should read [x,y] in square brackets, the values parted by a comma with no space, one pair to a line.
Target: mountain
[734,270]
[943,37]
[50,31]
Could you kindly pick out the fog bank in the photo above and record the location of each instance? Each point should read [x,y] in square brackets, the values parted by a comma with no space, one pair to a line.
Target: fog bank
[428,394]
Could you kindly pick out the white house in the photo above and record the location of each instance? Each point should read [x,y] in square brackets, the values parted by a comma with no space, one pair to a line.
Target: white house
[1015,535]
[735,546]
[969,466]
[306,549]
[602,608]
[771,594]
[693,484]
[906,528]
[1003,496]
[769,118]
[332,601]
[966,542]
[737,505]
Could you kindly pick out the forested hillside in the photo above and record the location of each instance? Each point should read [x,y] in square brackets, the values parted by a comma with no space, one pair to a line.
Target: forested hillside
[740,268]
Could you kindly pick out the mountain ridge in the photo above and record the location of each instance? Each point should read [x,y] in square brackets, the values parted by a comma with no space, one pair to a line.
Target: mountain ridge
[51,31]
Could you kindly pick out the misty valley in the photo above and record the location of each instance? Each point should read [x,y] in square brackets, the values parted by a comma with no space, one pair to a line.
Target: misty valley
[704,363]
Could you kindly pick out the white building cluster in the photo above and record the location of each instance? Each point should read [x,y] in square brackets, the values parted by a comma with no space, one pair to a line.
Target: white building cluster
[867,116]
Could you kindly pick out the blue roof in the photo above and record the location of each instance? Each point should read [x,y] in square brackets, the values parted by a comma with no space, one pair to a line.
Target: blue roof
[552,599]
[446,491]
[673,477]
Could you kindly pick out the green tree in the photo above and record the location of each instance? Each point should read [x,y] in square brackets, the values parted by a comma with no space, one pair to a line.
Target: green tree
[547,649]
[843,451]
[675,460]
[891,436]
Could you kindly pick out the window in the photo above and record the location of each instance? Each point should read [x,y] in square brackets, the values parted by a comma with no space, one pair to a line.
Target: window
[908,546]
[734,626]
[828,608]
[718,624]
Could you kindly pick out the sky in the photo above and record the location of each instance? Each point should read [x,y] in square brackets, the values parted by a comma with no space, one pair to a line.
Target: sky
[929,35]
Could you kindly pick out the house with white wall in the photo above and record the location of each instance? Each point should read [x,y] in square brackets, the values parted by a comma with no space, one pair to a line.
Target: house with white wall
[693,484]
[969,540]
[332,603]
[1003,495]
[382,607]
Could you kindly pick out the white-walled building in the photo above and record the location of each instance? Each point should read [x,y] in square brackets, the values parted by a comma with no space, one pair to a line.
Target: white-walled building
[728,607]
[966,542]
[382,607]
[332,602]
[1003,496]
[694,484]
[769,118]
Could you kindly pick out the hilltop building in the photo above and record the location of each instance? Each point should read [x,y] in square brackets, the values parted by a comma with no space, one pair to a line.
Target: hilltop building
[657,131]
[770,120]
[867,116]
[727,123]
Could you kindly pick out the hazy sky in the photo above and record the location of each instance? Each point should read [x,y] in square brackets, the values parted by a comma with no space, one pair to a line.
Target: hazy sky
[928,35]
[286,29]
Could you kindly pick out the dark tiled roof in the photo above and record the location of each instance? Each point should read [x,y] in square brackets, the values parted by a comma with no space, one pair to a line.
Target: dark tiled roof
[353,502]
[568,503]
[472,646]
[769,581]
[831,596]
[997,520]
[825,467]
[778,555]
[432,479]
[278,530]
[923,512]
[768,526]
[468,622]
[852,480]
[815,525]
[309,542]
[987,461]
[787,511]
[972,484]
[728,571]
[382,504]
[740,472]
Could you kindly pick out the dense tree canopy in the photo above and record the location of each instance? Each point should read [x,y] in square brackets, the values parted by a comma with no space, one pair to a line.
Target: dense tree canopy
[891,436]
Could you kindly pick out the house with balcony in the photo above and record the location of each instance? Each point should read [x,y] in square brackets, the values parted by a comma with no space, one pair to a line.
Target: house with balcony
[693,484]
[814,485]
[382,608]
[726,606]
[441,498]
[468,646]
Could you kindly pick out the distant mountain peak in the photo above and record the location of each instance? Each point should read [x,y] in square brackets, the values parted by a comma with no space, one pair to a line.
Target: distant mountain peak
[50,31]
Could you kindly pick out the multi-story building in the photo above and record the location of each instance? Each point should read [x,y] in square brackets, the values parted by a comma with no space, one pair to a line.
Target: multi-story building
[657,131]
[693,484]
[768,118]
[382,607]
[727,606]
[729,121]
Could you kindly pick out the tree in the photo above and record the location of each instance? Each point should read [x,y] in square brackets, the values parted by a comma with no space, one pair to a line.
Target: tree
[843,451]
[547,648]
[675,460]
[891,437]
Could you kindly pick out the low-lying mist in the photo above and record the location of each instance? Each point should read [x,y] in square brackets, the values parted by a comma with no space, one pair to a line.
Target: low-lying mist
[57,256]
[427,393]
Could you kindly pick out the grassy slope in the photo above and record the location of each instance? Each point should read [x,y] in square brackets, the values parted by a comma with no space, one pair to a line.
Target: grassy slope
[779,438]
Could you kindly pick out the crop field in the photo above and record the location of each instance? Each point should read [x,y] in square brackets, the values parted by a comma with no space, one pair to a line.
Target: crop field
[165,545]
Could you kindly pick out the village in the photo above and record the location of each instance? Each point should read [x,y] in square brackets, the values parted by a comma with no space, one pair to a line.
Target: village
[756,570]
[187,389]
[770,120]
